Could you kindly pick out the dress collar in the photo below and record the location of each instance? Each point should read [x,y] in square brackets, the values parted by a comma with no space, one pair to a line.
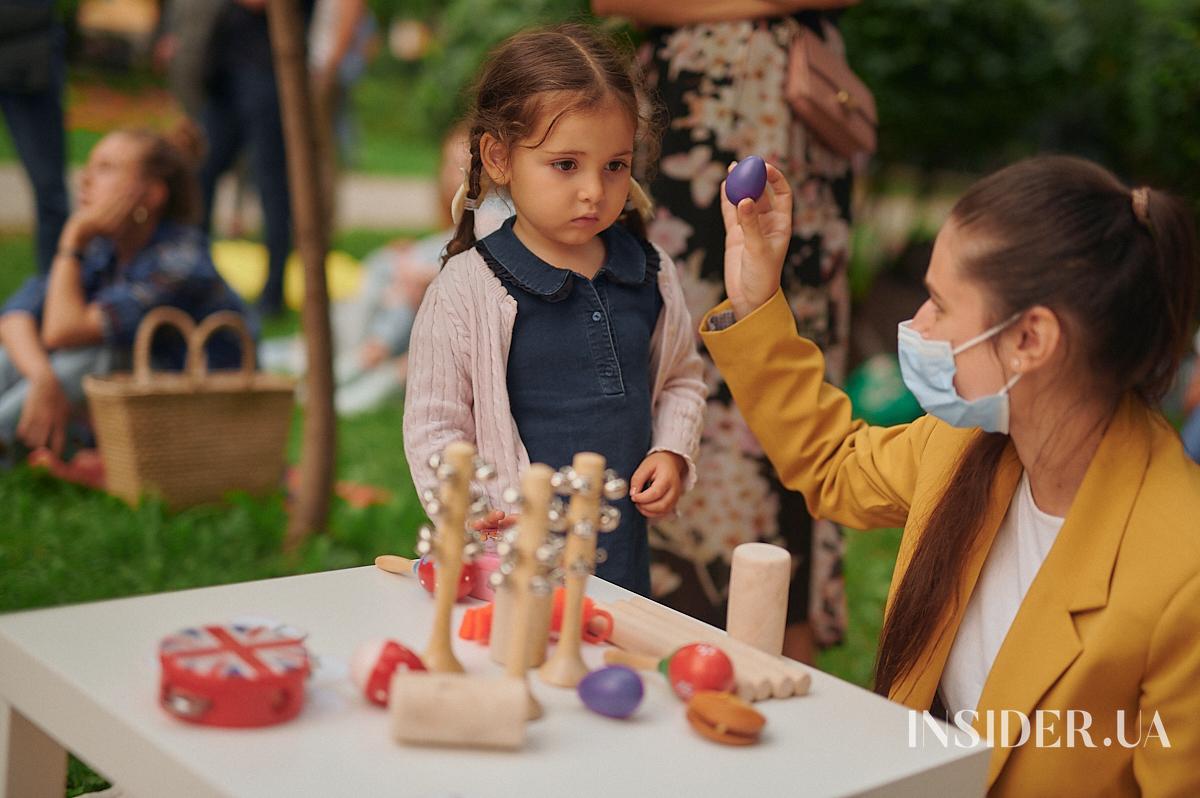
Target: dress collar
[624,261]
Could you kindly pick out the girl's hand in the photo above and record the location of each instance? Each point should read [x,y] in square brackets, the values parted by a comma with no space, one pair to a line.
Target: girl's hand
[658,483]
[495,522]
[757,234]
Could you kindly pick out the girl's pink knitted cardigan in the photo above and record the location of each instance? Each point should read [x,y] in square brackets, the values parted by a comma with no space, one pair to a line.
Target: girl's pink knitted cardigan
[457,386]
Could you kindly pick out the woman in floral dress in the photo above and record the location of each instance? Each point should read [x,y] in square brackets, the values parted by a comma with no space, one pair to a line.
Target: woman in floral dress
[720,71]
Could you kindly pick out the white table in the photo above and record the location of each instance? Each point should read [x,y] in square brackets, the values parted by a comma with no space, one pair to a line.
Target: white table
[85,678]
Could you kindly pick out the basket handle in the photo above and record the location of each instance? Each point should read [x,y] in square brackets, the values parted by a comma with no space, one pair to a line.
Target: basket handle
[155,318]
[197,360]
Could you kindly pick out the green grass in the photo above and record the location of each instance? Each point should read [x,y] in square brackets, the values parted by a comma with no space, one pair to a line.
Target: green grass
[393,140]
[870,557]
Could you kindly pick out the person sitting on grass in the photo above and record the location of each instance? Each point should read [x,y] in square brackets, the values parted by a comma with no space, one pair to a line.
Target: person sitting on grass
[130,246]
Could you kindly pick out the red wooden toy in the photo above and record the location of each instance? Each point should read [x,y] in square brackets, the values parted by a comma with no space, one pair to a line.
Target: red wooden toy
[426,576]
[233,675]
[375,662]
[697,667]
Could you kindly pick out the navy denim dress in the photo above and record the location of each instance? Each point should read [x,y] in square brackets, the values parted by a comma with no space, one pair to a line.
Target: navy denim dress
[579,369]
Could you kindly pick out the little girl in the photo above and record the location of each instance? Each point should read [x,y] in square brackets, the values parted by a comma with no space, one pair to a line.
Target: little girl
[564,330]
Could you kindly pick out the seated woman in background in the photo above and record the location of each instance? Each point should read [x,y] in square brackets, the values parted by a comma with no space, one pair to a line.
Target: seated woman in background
[130,246]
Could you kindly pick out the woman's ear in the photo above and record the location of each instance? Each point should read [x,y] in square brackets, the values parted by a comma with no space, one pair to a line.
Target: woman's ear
[494,155]
[155,196]
[1039,339]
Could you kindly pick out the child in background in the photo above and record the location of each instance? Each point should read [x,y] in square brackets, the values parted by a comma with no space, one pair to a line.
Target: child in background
[564,330]
[371,329]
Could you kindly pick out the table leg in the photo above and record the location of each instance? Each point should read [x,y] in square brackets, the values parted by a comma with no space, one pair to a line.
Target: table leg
[32,763]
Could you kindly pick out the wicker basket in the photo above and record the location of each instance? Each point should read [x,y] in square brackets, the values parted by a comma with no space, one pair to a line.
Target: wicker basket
[191,437]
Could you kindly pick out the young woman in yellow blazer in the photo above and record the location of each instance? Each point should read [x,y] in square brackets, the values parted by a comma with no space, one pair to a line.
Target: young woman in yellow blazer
[1050,564]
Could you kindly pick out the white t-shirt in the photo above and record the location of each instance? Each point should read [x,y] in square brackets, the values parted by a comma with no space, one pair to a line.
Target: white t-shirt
[1021,545]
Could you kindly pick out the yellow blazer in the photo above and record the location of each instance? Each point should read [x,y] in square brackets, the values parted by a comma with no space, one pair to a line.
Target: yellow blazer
[1112,620]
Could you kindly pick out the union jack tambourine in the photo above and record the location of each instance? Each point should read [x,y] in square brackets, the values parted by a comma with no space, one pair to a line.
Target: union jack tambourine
[233,674]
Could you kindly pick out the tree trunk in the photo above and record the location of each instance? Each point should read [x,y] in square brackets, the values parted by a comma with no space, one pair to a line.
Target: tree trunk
[310,506]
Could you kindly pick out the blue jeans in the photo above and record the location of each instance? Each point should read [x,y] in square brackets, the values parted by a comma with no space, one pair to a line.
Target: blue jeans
[243,109]
[70,366]
[35,121]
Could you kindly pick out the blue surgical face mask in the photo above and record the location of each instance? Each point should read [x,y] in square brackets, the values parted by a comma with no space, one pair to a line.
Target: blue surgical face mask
[928,370]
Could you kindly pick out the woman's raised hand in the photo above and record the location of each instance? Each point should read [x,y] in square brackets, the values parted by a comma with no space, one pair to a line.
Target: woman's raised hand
[757,234]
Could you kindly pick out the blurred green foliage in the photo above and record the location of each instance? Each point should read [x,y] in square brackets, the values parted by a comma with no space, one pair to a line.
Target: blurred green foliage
[464,31]
[961,85]
[967,86]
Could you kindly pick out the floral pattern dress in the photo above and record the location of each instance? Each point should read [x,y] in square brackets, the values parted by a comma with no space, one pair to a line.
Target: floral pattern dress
[723,86]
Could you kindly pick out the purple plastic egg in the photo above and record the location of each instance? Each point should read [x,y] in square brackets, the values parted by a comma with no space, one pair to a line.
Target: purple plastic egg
[748,179]
[614,691]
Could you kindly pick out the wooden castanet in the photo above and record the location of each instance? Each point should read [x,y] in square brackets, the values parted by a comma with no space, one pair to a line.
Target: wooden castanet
[527,578]
[455,471]
[565,667]
[778,667]
[637,631]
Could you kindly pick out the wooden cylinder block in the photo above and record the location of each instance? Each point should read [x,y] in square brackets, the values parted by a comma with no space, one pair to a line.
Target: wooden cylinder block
[758,595]
[453,709]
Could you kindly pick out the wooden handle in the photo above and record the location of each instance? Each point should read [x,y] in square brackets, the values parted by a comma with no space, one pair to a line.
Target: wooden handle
[197,359]
[566,667]
[641,662]
[395,565]
[532,529]
[459,461]
[155,318]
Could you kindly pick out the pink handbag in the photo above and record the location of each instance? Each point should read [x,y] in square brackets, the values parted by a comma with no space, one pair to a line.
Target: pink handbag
[828,97]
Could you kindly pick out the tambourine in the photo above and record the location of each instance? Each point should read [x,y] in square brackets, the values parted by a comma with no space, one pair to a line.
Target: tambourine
[233,674]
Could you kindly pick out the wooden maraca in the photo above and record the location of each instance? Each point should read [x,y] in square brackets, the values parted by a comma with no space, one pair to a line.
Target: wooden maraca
[425,572]
[451,544]
[586,481]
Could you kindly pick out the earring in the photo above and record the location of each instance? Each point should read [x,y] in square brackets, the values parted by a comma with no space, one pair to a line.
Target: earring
[140,214]
[1016,364]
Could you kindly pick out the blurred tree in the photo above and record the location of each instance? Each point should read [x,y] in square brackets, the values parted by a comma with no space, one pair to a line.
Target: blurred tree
[387,10]
[968,86]
[464,32]
[956,81]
